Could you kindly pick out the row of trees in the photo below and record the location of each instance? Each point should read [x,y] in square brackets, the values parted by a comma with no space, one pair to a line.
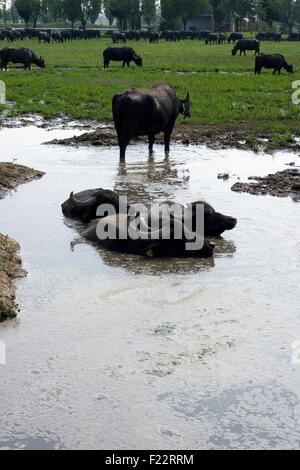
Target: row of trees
[129,12]
[269,11]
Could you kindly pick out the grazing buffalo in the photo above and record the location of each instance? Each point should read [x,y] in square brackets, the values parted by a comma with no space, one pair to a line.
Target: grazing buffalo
[20,56]
[83,206]
[154,37]
[57,37]
[235,37]
[244,45]
[215,223]
[222,38]
[211,39]
[116,37]
[147,112]
[272,61]
[43,36]
[156,245]
[121,54]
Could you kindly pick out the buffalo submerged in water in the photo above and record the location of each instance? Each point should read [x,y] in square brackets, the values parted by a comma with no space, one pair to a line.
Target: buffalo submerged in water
[147,111]
[83,207]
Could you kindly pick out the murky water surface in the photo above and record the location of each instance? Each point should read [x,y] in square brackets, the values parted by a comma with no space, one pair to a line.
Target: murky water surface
[115,351]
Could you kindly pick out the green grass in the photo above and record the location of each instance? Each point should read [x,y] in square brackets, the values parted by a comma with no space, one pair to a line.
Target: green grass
[75,84]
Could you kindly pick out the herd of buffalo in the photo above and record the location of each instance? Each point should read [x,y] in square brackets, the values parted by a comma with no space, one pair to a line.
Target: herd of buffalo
[143,112]
[126,55]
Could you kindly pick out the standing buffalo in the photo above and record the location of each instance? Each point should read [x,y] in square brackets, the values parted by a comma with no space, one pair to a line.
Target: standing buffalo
[20,56]
[211,39]
[244,45]
[235,37]
[147,112]
[116,37]
[154,37]
[272,61]
[119,54]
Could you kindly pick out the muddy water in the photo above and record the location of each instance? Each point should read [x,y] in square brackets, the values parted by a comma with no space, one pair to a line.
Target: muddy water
[114,351]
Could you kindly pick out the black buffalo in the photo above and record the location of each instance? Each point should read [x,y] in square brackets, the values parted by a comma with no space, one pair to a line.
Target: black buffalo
[211,39]
[155,245]
[147,112]
[20,56]
[121,54]
[215,223]
[272,61]
[43,36]
[83,206]
[116,37]
[244,45]
[235,37]
[154,37]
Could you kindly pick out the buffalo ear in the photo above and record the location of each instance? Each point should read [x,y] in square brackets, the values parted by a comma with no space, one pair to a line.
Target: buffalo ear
[186,106]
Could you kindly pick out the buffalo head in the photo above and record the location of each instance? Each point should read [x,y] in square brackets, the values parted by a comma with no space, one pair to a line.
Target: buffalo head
[138,61]
[185,106]
[41,63]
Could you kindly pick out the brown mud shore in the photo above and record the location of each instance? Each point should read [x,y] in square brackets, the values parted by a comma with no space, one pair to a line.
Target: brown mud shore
[242,135]
[281,184]
[11,176]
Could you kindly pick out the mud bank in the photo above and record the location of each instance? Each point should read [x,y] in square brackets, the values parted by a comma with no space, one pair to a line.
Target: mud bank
[281,184]
[10,269]
[11,176]
[240,135]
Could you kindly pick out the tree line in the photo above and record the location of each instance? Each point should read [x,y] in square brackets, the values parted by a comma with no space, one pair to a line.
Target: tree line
[172,13]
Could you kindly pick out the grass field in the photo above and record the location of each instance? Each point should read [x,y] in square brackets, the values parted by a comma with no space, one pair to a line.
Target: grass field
[223,88]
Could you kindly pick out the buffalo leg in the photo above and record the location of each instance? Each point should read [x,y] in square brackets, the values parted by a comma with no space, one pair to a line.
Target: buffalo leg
[123,142]
[123,63]
[151,143]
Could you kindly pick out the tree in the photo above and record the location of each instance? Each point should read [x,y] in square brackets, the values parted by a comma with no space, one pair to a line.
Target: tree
[183,9]
[71,9]
[221,10]
[87,10]
[24,9]
[270,11]
[14,13]
[290,12]
[3,11]
[36,11]
[191,8]
[148,11]
[108,14]
[123,10]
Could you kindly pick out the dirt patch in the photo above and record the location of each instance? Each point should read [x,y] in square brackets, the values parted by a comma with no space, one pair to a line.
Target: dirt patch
[281,184]
[243,135]
[10,269]
[11,176]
